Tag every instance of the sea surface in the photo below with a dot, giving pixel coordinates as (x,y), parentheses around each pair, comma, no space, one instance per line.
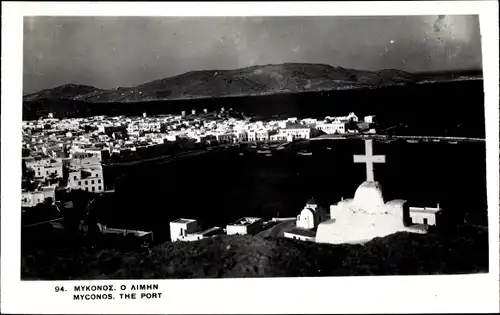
(219,187)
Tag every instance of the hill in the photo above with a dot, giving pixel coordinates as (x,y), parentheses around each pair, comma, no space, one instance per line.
(67,91)
(256,80)
(461,251)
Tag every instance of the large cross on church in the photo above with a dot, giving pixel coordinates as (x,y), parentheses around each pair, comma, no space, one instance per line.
(369,159)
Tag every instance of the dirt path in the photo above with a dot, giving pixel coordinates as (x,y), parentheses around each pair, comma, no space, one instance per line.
(277,230)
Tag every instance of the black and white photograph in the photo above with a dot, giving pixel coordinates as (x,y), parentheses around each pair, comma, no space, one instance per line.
(209,147)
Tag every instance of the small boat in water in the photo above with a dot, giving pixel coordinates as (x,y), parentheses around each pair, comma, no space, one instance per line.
(412,141)
(269,154)
(328,148)
(304,153)
(264,151)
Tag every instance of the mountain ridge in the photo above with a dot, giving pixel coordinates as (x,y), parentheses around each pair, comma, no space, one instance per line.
(248,81)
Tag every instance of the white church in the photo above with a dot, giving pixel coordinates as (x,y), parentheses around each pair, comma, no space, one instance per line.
(364,217)
(307,222)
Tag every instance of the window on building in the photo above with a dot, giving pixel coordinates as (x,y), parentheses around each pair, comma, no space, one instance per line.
(99,181)
(93,188)
(79,183)
(74,177)
(99,188)
(86,182)
(92,181)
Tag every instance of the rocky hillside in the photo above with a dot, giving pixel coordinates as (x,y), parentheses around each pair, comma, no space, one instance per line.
(462,251)
(68,91)
(256,80)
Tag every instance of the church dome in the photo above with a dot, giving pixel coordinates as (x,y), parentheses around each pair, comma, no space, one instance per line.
(307,210)
(369,198)
(311,201)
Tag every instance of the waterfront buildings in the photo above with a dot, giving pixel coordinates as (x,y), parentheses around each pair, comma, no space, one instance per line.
(83,145)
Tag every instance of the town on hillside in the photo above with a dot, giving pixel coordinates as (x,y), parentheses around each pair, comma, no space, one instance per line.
(65,156)
(62,157)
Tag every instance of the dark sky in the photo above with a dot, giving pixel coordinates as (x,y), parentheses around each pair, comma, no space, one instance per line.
(108,52)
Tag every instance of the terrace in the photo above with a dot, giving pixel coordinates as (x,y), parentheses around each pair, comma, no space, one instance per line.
(212,231)
(425,209)
(303,232)
(245,221)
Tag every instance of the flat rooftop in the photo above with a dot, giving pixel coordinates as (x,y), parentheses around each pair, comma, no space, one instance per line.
(183,221)
(424,210)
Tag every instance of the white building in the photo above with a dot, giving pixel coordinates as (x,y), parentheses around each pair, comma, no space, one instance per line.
(311,216)
(298,131)
(225,137)
(157,140)
(84,160)
(100,154)
(362,218)
(281,136)
(262,135)
(32,198)
(367,215)
(242,136)
(44,167)
(332,127)
(180,228)
(307,222)
(425,215)
(251,136)
(370,119)
(309,121)
(243,226)
(144,126)
(349,118)
(67,125)
(282,124)
(87,178)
